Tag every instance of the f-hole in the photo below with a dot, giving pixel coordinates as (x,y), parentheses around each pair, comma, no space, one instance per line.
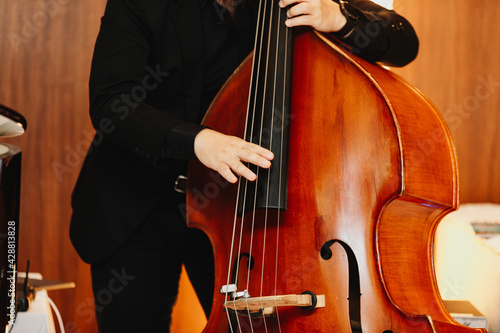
(234,280)
(354,288)
(237,264)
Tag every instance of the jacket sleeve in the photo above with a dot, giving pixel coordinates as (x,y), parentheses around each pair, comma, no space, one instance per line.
(121,79)
(378,34)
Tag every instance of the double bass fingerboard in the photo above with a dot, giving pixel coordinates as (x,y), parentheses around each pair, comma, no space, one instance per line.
(268,116)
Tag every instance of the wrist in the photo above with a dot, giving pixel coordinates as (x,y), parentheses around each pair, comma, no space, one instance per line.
(340,23)
(350,20)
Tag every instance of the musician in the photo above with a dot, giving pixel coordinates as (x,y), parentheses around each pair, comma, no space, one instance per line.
(156,67)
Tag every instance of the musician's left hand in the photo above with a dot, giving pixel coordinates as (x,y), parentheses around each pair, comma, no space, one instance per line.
(322,15)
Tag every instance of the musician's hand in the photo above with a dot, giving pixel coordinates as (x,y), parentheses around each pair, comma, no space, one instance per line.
(322,15)
(225,154)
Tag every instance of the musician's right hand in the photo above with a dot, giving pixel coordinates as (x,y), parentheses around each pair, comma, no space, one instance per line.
(226,154)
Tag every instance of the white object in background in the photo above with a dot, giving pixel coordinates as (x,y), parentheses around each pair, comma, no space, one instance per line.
(384,3)
(467,266)
(38,318)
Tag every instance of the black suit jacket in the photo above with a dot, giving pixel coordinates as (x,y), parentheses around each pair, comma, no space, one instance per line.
(145,103)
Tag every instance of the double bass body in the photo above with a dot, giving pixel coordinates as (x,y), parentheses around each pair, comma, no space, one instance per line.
(371,171)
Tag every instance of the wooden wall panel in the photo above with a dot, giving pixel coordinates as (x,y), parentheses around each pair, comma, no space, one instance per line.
(45,53)
(458,69)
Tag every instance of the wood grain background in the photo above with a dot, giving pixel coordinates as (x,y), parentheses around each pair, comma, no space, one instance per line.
(458,69)
(46,48)
(45,53)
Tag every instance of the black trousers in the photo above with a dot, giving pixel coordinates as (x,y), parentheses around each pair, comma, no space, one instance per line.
(135,288)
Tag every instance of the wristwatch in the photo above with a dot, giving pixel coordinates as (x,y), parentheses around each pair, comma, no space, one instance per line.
(352,20)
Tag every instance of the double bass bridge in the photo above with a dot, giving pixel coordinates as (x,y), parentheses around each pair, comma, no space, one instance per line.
(243,303)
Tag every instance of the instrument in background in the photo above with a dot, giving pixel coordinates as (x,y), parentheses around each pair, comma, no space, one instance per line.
(338,235)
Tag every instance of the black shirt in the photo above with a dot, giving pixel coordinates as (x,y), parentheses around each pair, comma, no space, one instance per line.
(227,42)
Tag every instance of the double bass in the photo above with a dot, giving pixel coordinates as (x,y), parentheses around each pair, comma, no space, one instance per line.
(337,236)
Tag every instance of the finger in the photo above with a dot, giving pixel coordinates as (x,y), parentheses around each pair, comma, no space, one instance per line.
(299,9)
(241,170)
(286,3)
(303,20)
(228,174)
(261,151)
(256,155)
(250,157)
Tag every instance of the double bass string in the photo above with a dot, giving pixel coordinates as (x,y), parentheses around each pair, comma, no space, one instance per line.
(281,26)
(262,78)
(253,82)
(268,175)
(235,220)
(271,138)
(265,78)
(278,83)
(228,313)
